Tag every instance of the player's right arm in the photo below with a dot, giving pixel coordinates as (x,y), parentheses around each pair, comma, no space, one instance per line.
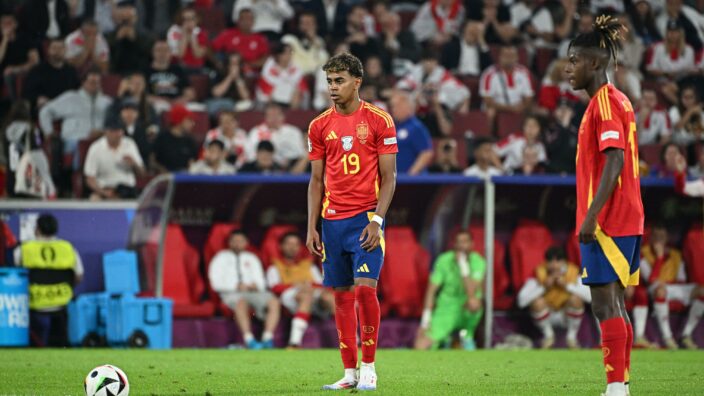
(315,195)
(316,154)
(611,138)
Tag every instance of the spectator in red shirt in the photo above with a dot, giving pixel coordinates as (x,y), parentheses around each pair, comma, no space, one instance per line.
(188,42)
(253,47)
(555,88)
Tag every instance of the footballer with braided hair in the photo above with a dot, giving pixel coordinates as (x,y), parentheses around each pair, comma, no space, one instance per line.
(609,207)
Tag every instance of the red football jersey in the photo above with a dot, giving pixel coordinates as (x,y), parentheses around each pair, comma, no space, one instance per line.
(350,145)
(609,121)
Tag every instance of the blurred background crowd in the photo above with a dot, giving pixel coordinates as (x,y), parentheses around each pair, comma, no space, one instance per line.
(100,96)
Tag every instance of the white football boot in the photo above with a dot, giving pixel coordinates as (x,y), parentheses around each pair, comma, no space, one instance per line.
(367,377)
(349,381)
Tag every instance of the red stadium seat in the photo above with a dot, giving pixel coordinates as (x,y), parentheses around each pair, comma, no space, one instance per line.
(111,84)
(301,118)
(475,121)
(650,153)
(202,126)
(250,119)
(213,18)
(543,59)
(270,244)
(217,239)
(693,252)
(572,249)
(472,83)
(508,123)
(182,279)
(527,247)
(201,84)
(404,275)
(502,300)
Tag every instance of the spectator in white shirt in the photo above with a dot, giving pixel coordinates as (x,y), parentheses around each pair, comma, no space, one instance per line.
(687,117)
(290,152)
(281,81)
(486,161)
(237,276)
(512,149)
(270,15)
(308,49)
(438,21)
(87,48)
(506,86)
(671,60)
(112,164)
(437,93)
(234,138)
(468,54)
(82,112)
(213,162)
(652,122)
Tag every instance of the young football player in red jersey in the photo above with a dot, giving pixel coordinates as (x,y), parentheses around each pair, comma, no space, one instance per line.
(609,207)
(352,148)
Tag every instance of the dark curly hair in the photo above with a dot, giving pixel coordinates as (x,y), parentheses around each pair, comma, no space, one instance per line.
(344,62)
(606,36)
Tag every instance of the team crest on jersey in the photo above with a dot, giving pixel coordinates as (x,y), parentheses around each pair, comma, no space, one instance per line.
(347,143)
(362,133)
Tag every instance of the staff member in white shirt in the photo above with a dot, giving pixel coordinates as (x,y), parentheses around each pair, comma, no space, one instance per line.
(113,164)
(237,276)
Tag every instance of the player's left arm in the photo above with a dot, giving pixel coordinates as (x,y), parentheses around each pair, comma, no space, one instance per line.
(371,236)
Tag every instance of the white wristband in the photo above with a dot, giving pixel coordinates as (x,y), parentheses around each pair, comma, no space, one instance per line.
(378,219)
(425,319)
(464,266)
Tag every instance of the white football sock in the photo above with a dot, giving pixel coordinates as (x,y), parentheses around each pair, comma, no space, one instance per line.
(695,313)
(542,320)
(615,389)
(350,374)
(574,320)
(248,337)
(662,313)
(298,328)
(267,335)
(640,319)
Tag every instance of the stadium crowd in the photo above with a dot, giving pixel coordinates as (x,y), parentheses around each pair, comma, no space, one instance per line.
(99,96)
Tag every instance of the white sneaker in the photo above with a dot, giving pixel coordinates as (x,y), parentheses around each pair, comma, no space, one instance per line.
(345,383)
(616,389)
(367,377)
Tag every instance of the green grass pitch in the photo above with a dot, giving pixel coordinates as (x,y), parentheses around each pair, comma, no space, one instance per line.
(401,372)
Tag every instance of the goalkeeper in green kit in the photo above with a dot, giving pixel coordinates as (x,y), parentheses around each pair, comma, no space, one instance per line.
(453,301)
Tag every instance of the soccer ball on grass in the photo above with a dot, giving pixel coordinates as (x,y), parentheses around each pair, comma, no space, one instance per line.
(106,380)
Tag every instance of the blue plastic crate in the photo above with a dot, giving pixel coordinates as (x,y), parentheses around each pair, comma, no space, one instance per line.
(120,272)
(139,322)
(87,318)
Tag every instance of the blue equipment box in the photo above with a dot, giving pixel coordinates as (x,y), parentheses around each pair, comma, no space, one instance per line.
(139,322)
(120,272)
(87,318)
